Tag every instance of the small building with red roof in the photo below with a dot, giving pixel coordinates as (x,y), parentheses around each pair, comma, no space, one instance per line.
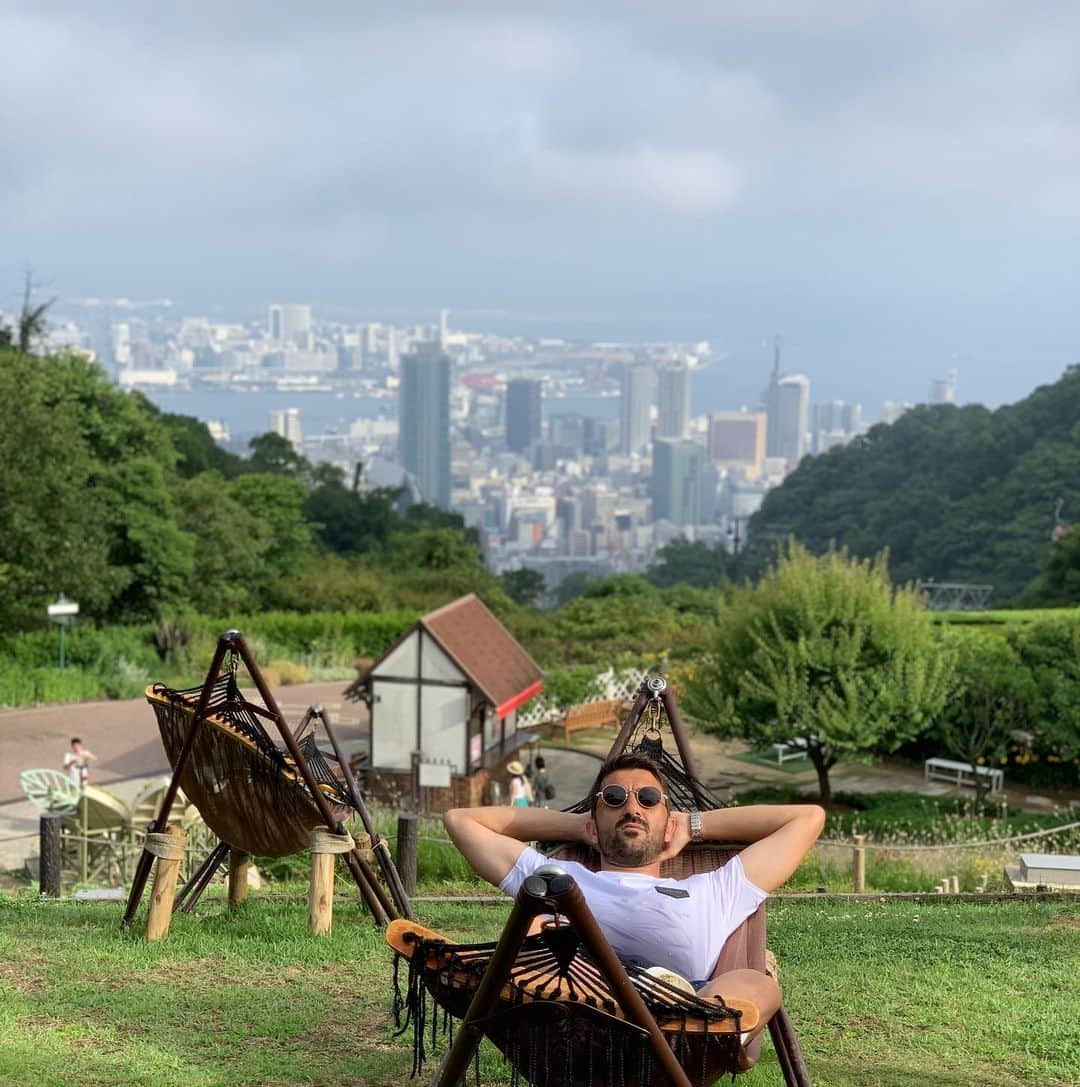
(443,703)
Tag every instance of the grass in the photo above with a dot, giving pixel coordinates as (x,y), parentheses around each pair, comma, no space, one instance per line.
(890,994)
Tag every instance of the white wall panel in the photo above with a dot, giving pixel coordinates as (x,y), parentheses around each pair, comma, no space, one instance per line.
(402,661)
(443,719)
(437,665)
(393,725)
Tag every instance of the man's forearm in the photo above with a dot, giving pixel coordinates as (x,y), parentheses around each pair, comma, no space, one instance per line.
(753,822)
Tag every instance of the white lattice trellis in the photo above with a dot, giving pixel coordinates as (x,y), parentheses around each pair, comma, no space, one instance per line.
(604,685)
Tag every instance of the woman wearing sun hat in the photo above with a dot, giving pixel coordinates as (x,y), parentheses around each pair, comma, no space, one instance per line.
(521,794)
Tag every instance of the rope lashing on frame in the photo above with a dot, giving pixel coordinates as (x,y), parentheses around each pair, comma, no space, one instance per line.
(326,841)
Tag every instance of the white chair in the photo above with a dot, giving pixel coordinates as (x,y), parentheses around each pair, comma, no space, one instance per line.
(50,790)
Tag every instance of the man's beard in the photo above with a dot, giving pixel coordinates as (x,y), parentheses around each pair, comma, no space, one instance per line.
(631,852)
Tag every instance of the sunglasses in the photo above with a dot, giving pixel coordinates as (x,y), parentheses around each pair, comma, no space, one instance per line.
(615,796)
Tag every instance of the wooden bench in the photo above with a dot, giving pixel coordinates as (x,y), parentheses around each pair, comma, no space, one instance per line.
(962,773)
(602,714)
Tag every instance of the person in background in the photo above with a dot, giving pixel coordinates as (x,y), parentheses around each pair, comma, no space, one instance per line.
(521,791)
(77,763)
(543,790)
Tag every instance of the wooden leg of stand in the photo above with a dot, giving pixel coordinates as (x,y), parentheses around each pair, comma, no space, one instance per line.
(168,847)
(321,895)
(238,877)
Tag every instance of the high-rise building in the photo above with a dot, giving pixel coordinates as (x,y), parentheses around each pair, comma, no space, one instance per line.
(676,481)
(788,420)
(673,399)
(287,424)
(634,407)
(737,440)
(424,421)
(444,327)
(523,412)
(943,389)
(290,326)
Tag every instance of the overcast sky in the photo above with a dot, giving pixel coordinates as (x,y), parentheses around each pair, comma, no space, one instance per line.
(893,187)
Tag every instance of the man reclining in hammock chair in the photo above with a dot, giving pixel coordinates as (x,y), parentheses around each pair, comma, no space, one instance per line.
(677,925)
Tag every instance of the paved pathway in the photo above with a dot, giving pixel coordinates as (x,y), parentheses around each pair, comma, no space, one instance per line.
(125,738)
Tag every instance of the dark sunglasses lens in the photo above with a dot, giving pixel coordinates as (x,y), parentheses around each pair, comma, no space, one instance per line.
(649,797)
(614,796)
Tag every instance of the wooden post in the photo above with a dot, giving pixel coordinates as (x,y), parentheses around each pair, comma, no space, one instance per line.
(954,885)
(407,838)
(84,831)
(49,854)
(238,877)
(168,846)
(859,864)
(324,846)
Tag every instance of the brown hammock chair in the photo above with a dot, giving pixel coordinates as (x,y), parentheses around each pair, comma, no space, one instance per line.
(560,1006)
(257,797)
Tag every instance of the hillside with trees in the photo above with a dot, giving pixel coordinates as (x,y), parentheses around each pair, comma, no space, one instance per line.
(953,493)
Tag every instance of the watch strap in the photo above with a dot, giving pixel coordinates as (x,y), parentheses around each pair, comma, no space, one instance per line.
(695,826)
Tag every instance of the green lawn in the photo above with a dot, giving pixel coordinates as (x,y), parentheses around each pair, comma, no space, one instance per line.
(881,994)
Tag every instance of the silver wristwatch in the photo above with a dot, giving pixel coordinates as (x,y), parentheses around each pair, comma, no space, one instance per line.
(695,826)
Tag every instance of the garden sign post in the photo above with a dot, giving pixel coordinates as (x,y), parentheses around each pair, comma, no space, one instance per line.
(62,613)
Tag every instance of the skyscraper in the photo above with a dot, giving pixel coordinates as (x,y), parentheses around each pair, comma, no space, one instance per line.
(737,440)
(792,418)
(286,423)
(676,481)
(522,413)
(290,326)
(424,421)
(943,389)
(674,400)
(634,407)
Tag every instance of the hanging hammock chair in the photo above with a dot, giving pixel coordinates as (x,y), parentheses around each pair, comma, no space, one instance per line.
(258,797)
(560,1006)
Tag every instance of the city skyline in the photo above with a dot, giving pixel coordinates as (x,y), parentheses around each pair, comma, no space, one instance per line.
(893,190)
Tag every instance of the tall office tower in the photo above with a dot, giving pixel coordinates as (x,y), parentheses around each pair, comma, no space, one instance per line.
(290,326)
(792,404)
(444,326)
(674,400)
(600,435)
(424,421)
(676,481)
(287,424)
(771,398)
(851,418)
(392,353)
(634,407)
(569,431)
(522,413)
(943,389)
(737,440)
(827,415)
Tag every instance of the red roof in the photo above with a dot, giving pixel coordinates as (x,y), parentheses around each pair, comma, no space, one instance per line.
(483,649)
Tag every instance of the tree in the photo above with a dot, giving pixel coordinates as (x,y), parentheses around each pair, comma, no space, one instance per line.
(573,585)
(51,536)
(276,501)
(990,697)
(684,563)
(823,651)
(274,455)
(523,586)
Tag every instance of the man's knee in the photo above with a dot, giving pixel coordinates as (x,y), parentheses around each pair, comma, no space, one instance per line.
(753,985)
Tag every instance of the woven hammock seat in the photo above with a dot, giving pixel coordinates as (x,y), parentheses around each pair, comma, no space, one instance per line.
(559,1005)
(559,1022)
(246,788)
(258,797)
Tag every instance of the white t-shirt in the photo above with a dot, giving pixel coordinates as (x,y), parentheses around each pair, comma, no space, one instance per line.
(685,934)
